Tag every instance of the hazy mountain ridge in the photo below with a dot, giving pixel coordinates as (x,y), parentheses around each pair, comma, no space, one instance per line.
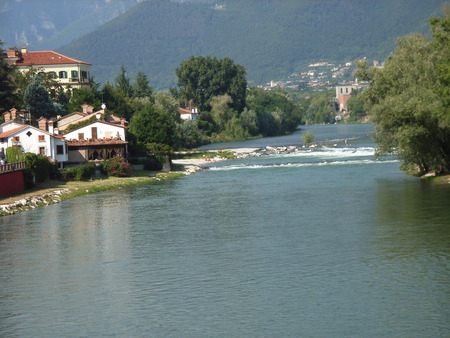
(49,24)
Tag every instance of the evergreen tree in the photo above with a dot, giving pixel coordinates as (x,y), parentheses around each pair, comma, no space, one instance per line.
(37,100)
(141,87)
(123,82)
(7,88)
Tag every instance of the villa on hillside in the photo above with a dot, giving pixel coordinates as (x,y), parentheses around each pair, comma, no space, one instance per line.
(66,70)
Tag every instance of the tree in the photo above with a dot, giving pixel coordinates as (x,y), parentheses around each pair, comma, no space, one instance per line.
(408,103)
(123,82)
(80,96)
(151,126)
(23,79)
(355,105)
(201,78)
(7,87)
(221,109)
(141,87)
(37,100)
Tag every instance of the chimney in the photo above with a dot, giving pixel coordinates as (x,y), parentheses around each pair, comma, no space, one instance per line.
(87,109)
(7,116)
(23,50)
(51,130)
(42,123)
(13,114)
(122,122)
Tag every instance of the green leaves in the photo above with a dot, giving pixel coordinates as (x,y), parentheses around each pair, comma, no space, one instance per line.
(406,100)
(201,78)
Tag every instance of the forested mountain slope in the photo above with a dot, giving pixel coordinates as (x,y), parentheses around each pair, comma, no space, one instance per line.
(270,38)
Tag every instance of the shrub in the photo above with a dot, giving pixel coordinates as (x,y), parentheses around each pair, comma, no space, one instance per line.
(81,173)
(13,154)
(37,168)
(117,166)
(308,137)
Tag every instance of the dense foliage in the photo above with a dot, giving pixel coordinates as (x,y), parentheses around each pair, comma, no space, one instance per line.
(117,167)
(201,78)
(7,95)
(408,100)
(80,173)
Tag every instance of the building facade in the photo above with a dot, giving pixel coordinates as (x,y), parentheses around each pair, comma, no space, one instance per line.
(65,70)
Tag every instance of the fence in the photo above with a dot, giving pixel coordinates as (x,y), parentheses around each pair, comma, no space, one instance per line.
(6,168)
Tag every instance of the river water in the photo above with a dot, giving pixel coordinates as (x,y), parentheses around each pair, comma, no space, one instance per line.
(328,242)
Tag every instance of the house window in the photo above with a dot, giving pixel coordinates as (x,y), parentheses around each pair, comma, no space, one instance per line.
(42,151)
(94,132)
(59,149)
(63,74)
(74,76)
(107,134)
(84,76)
(346,90)
(41,138)
(52,75)
(341,90)
(16,139)
(81,136)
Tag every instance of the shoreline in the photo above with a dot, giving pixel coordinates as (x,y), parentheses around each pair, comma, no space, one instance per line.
(53,192)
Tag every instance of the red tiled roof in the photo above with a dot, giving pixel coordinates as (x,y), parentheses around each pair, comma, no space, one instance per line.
(15,130)
(185,111)
(12,131)
(71,114)
(46,58)
(92,142)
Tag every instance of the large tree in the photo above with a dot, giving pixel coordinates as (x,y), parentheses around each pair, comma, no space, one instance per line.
(201,78)
(7,88)
(37,100)
(152,126)
(408,100)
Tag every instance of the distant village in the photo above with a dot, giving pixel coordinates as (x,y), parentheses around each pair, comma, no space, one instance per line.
(319,76)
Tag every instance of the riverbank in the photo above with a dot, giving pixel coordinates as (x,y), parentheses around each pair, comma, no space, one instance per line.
(51,192)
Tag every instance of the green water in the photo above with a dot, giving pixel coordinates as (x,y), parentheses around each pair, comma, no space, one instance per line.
(320,243)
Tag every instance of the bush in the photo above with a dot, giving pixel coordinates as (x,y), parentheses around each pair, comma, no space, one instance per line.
(13,154)
(117,166)
(37,168)
(308,137)
(81,173)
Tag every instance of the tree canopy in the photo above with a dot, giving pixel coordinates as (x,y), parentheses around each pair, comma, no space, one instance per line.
(408,99)
(37,100)
(201,78)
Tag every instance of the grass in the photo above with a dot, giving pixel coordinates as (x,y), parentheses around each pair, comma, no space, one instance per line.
(203,154)
(80,188)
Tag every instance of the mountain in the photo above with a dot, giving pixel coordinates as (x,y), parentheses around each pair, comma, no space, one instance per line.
(49,24)
(270,38)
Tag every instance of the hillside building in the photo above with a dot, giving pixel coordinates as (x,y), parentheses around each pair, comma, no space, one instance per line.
(65,70)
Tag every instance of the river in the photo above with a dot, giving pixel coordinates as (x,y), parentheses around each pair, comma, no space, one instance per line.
(326,242)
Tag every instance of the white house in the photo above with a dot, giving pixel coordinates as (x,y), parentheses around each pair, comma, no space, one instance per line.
(34,140)
(97,130)
(99,140)
(188,114)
